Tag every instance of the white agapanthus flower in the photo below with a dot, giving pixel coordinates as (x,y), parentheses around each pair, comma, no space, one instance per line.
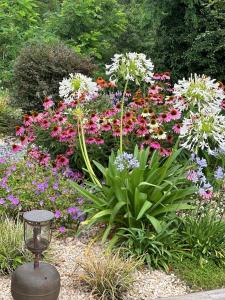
(200,92)
(131,66)
(77,85)
(201,131)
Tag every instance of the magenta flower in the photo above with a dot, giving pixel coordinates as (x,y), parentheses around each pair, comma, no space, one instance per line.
(62,229)
(48,103)
(13,200)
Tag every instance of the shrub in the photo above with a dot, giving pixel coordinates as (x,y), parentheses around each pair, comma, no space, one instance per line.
(12,252)
(108,276)
(38,70)
(138,194)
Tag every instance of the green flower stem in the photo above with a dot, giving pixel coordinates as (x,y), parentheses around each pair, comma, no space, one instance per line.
(121,116)
(85,155)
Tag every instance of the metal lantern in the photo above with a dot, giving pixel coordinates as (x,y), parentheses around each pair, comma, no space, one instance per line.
(38,280)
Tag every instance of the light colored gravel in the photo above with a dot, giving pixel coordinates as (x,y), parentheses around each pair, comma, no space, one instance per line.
(148,285)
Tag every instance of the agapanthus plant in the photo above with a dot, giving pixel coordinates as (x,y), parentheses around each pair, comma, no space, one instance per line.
(199,93)
(129,66)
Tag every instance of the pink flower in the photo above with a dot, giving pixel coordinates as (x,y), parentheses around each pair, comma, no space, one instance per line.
(20,130)
(69,151)
(155,145)
(48,103)
(56,131)
(16,148)
(206,194)
(45,124)
(28,120)
(106,127)
(23,140)
(162,118)
(44,159)
(116,132)
(90,140)
(61,161)
(176,128)
(94,117)
(142,131)
(174,114)
(99,141)
(154,90)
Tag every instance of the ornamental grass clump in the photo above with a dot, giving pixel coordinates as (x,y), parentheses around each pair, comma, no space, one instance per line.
(12,251)
(108,276)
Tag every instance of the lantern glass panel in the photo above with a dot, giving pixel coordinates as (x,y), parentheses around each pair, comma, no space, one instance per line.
(37,236)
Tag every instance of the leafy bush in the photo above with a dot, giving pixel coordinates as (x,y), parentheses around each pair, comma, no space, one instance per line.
(138,194)
(108,276)
(204,237)
(207,277)
(12,252)
(91,27)
(25,185)
(9,116)
(38,70)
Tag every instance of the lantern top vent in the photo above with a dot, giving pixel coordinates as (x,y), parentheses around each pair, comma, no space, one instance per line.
(38,216)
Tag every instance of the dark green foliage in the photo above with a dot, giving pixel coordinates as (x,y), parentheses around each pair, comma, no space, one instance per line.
(190,38)
(38,70)
(206,277)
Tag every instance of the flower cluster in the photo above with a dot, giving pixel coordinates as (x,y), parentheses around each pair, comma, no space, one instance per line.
(149,119)
(26,185)
(204,125)
(126,161)
(131,66)
(200,92)
(77,87)
(197,175)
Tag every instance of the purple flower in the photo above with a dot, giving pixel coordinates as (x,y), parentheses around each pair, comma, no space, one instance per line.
(52,199)
(2,201)
(55,186)
(80,201)
(41,187)
(62,229)
(201,162)
(13,200)
(57,214)
(72,210)
(2,160)
(219,173)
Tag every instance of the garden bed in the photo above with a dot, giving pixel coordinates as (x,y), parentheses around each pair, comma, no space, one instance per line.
(66,252)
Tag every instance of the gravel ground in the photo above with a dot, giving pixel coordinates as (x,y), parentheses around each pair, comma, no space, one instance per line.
(148,285)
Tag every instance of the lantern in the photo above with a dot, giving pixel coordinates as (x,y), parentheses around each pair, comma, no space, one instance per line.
(36,280)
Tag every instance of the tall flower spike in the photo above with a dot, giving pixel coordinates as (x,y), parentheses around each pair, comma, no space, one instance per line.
(131,66)
(199,92)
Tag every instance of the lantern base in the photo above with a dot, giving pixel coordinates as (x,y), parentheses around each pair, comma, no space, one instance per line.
(42,283)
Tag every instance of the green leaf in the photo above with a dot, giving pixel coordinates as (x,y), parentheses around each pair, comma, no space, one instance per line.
(155,223)
(172,208)
(144,208)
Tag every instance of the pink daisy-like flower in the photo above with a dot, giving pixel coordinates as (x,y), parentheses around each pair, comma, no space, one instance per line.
(20,130)
(155,145)
(116,132)
(106,127)
(56,131)
(99,141)
(90,140)
(16,148)
(45,124)
(61,161)
(48,103)
(174,114)
(44,159)
(142,131)
(176,128)
(28,120)
(23,140)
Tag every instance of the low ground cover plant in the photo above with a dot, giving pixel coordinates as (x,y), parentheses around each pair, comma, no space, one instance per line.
(25,185)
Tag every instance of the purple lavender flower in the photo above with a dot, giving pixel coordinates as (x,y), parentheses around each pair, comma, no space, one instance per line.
(219,174)
(71,210)
(13,200)
(201,162)
(57,214)
(62,229)
(80,201)
(52,199)
(2,201)
(55,186)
